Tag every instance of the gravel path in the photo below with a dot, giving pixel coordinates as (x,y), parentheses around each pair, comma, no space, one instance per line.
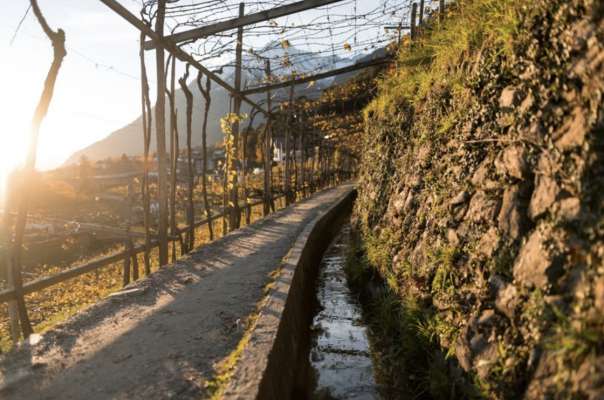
(162,337)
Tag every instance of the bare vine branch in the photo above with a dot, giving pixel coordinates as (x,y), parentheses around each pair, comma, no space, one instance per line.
(58,43)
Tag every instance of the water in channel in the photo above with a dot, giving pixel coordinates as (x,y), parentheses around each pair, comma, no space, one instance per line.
(340,350)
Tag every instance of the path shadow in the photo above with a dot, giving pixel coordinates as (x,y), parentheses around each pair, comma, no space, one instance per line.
(164,339)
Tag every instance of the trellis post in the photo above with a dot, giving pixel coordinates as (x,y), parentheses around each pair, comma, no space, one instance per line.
(204,148)
(160,130)
(294,160)
(235,215)
(146,118)
(268,160)
(58,42)
(287,176)
(13,313)
(413,20)
(302,154)
(174,150)
(311,177)
(245,162)
(190,236)
(441,10)
(421,12)
(134,257)
(126,267)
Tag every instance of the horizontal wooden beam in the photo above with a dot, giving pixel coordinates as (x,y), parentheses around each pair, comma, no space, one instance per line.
(101,262)
(316,77)
(174,50)
(250,19)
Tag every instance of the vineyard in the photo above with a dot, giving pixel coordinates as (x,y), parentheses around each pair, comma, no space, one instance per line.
(319,199)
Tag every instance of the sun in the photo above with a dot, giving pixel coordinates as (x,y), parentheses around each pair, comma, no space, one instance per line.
(13,146)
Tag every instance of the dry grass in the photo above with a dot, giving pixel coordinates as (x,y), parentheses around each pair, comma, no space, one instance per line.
(441,55)
(55,304)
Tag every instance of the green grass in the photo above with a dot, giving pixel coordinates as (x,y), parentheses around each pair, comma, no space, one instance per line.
(410,361)
(444,277)
(443,55)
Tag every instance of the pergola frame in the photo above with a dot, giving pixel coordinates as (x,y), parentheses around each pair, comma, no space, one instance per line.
(16,290)
(176,51)
(240,22)
(169,44)
(319,76)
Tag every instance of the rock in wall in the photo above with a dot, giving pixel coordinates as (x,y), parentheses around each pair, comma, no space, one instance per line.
(495,221)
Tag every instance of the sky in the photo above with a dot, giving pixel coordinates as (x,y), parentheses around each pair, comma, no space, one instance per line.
(98,88)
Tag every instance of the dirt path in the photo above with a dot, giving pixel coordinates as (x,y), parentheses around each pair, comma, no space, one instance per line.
(162,337)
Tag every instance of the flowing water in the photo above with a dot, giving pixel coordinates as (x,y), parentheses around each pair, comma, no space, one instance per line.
(340,353)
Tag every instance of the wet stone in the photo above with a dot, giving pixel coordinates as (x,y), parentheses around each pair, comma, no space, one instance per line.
(340,353)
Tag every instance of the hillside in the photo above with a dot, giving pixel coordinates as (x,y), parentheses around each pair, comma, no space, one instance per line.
(481,205)
(128,139)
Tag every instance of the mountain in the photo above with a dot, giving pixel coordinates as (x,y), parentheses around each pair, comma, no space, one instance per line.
(128,140)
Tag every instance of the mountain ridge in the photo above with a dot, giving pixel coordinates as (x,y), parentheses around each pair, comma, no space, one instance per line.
(128,139)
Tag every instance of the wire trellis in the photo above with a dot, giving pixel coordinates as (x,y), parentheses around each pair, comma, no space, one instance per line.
(312,41)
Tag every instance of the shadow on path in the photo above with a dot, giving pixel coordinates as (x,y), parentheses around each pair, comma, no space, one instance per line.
(162,337)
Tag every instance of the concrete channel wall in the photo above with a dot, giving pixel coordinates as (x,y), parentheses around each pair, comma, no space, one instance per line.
(273,363)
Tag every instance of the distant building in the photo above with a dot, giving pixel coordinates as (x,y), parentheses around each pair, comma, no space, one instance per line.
(278,149)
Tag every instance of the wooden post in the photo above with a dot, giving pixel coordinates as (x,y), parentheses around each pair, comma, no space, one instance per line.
(318,164)
(302,153)
(226,210)
(421,13)
(330,164)
(190,237)
(334,166)
(441,10)
(324,156)
(130,248)
(160,129)
(126,271)
(135,267)
(235,216)
(13,312)
(204,147)
(245,160)
(323,164)
(58,43)
(287,175)
(294,163)
(174,152)
(183,246)
(327,165)
(311,165)
(146,117)
(173,49)
(413,21)
(268,159)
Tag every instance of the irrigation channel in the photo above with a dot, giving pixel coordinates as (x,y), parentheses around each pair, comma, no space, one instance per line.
(340,350)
